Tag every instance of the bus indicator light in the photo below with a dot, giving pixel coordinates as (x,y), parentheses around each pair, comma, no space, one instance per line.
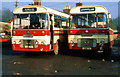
(86,31)
(28,31)
(41,49)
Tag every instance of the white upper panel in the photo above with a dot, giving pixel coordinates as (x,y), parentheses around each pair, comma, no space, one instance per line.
(84,10)
(40,9)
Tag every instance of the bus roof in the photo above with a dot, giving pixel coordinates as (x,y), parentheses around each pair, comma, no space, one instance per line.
(33,9)
(88,9)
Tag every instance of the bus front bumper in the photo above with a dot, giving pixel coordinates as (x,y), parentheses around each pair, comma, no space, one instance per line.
(44,48)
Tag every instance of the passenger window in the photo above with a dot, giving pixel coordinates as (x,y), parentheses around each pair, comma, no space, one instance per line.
(64,22)
(57,22)
(61,22)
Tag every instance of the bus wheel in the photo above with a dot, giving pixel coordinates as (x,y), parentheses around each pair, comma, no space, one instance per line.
(56,51)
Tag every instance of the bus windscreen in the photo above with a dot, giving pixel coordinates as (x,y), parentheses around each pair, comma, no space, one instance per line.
(89,20)
(30,21)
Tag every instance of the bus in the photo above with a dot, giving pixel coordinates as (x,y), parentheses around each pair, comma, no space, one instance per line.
(90,29)
(38,28)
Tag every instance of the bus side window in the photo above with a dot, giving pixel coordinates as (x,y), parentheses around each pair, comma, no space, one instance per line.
(57,21)
(64,22)
(74,25)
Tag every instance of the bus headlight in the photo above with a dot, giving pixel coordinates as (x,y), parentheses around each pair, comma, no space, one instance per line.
(101,42)
(72,43)
(14,42)
(20,42)
(36,42)
(78,43)
(101,48)
(94,42)
(42,43)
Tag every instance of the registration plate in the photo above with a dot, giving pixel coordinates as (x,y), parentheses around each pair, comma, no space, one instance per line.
(28,46)
(86,48)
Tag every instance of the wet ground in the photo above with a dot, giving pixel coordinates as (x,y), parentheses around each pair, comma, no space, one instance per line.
(71,63)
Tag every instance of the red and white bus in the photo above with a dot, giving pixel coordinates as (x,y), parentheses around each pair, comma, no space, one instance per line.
(38,28)
(90,29)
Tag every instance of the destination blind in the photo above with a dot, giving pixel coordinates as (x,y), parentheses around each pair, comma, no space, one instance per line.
(29,9)
(87,9)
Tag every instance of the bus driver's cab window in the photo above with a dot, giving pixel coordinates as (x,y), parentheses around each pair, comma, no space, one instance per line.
(38,21)
(34,19)
(30,21)
(43,20)
(98,20)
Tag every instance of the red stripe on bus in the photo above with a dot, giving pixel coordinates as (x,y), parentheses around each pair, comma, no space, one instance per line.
(33,32)
(58,32)
(73,32)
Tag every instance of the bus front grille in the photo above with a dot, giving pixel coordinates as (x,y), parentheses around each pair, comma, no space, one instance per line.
(88,42)
(28,44)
